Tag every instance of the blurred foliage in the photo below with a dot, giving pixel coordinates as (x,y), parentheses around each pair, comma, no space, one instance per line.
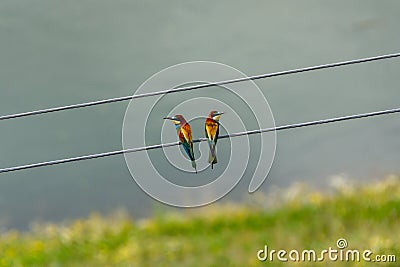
(367,216)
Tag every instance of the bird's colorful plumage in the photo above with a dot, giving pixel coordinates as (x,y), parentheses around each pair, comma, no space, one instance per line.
(185,136)
(212,133)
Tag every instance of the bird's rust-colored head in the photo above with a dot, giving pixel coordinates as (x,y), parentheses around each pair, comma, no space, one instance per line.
(215,115)
(177,119)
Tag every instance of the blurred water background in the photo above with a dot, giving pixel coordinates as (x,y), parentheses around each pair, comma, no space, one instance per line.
(55,53)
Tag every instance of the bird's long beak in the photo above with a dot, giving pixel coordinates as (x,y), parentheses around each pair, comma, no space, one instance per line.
(220,113)
(167,118)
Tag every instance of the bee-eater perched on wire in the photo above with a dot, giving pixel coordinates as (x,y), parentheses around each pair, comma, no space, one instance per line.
(185,136)
(212,132)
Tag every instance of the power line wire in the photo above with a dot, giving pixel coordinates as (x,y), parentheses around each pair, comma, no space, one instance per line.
(188,88)
(131,150)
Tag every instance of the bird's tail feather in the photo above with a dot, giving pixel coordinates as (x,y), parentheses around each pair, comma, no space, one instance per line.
(194,165)
(212,158)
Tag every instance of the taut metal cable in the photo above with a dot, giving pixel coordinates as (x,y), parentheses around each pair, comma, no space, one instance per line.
(131,150)
(188,88)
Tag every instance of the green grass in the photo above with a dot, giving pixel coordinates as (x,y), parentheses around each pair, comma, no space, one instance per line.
(367,216)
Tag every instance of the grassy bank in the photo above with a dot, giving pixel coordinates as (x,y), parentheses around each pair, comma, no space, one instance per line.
(368,217)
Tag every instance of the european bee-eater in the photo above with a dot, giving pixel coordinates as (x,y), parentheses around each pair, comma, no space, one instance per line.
(212,132)
(185,136)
